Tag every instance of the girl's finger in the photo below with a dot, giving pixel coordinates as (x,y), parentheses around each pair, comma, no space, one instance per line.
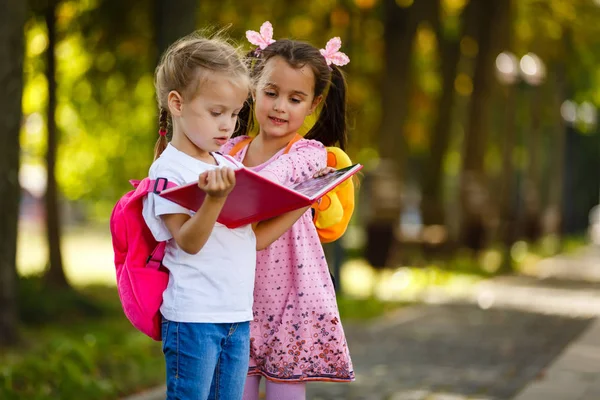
(212,179)
(218,179)
(231,176)
(203,179)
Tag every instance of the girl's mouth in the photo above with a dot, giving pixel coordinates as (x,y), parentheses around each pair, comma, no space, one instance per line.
(277,121)
(221,140)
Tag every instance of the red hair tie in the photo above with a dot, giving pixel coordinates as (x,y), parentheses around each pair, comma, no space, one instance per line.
(162,132)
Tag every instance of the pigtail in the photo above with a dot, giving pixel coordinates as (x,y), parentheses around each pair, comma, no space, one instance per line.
(246,116)
(330,128)
(245,119)
(163,125)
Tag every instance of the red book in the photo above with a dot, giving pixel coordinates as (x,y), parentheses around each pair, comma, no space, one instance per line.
(255,198)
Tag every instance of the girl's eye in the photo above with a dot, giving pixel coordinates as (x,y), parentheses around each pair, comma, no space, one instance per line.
(294,100)
(215,113)
(271,94)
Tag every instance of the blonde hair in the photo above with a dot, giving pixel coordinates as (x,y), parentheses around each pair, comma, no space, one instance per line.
(184,66)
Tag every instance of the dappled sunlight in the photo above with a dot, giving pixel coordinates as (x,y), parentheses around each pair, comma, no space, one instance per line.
(404,283)
(357,278)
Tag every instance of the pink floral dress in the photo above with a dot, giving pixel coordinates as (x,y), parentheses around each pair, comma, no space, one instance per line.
(296,334)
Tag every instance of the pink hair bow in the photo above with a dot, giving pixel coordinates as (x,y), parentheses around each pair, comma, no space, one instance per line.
(332,53)
(262,39)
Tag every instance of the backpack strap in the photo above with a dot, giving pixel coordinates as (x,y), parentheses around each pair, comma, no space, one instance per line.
(243,143)
(239,145)
(145,186)
(291,143)
(152,185)
(154,260)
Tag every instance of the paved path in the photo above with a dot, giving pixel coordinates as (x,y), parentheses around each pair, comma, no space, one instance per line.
(453,351)
(573,375)
(509,338)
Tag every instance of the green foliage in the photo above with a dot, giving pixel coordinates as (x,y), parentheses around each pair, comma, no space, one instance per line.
(63,305)
(573,244)
(80,356)
(106,113)
(106,55)
(354,309)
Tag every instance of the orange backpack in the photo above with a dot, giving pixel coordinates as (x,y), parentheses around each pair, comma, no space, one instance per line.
(333,212)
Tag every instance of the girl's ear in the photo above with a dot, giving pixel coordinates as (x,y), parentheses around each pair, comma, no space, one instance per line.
(175,103)
(315,104)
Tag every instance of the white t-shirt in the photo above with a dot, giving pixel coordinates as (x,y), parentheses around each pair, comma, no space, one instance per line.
(216,284)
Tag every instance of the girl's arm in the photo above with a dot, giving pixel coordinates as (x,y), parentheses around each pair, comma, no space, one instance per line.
(192,233)
(270,230)
(306,157)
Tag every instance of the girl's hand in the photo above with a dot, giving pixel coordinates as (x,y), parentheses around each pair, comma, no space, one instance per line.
(218,182)
(324,171)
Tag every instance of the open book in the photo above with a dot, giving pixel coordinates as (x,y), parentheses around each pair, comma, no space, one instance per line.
(255,198)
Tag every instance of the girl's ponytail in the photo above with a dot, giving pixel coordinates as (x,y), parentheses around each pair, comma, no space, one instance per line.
(246,115)
(162,142)
(245,119)
(330,128)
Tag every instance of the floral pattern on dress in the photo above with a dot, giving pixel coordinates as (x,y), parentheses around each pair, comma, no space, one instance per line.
(296,334)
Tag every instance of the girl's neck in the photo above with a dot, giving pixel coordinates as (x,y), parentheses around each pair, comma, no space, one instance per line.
(264,147)
(181,142)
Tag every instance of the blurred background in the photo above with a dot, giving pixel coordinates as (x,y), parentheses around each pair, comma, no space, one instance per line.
(476,121)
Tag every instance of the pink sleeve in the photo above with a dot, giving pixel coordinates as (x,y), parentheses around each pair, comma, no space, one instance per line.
(226,148)
(305,158)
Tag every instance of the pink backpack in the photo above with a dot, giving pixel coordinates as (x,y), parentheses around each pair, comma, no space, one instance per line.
(141,277)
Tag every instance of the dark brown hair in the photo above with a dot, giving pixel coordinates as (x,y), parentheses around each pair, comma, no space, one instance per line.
(183,67)
(330,128)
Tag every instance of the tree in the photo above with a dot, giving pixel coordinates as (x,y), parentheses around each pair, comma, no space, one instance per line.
(55,275)
(174,20)
(400,28)
(12,22)
(473,190)
(449,51)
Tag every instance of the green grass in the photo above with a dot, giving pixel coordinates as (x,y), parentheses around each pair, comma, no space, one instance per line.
(80,347)
(573,244)
(355,309)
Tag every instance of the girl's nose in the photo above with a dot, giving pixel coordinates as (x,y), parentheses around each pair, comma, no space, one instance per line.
(278,106)
(228,125)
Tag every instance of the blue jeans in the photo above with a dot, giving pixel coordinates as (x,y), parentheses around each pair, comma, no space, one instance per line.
(206,360)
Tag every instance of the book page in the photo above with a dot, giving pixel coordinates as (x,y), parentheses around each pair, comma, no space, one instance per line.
(317,187)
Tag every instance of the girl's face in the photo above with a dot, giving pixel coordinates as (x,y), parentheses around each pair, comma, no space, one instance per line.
(203,123)
(284,98)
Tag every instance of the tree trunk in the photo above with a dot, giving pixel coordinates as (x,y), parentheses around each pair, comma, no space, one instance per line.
(507,201)
(532,228)
(400,28)
(508,185)
(557,184)
(12,22)
(173,21)
(473,186)
(432,206)
(55,274)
